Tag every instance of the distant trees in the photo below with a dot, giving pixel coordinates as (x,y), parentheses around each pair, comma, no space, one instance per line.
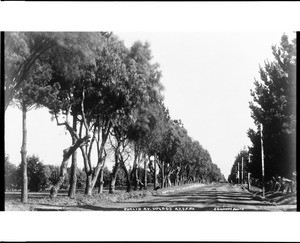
(40,176)
(235,175)
(11,177)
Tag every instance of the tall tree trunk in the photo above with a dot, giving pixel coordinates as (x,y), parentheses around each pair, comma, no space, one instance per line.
(88,186)
(63,168)
(73,179)
(145,174)
(136,178)
(128,183)
(88,171)
(177,178)
(101,182)
(113,177)
(24,191)
(181,179)
(169,179)
(155,173)
(135,170)
(162,174)
(101,157)
(127,175)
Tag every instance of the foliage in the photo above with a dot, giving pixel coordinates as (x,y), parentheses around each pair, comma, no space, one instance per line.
(10,174)
(106,177)
(27,50)
(242,155)
(36,177)
(81,179)
(40,176)
(114,92)
(274,106)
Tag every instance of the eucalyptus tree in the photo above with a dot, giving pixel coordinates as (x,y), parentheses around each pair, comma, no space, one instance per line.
(146,90)
(206,165)
(111,87)
(191,154)
(155,139)
(26,99)
(122,153)
(174,149)
(25,75)
(236,167)
(71,67)
(138,134)
(22,52)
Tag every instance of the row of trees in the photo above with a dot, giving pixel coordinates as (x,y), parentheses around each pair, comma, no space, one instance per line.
(109,99)
(239,171)
(274,106)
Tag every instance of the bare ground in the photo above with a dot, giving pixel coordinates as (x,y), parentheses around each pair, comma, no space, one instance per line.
(190,197)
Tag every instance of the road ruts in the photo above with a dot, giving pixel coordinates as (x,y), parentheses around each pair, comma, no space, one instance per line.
(212,197)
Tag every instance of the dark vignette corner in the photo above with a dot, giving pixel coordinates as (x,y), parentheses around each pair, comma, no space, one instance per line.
(2,125)
(297,128)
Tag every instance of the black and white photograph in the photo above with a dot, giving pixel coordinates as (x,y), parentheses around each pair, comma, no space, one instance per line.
(150,121)
(127,121)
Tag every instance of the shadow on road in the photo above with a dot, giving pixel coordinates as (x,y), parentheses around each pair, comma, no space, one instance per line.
(209,199)
(50,207)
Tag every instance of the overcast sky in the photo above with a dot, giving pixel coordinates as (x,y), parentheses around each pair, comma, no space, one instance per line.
(207,78)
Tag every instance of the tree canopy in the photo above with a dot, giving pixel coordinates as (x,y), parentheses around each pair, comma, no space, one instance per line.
(274,106)
(113,93)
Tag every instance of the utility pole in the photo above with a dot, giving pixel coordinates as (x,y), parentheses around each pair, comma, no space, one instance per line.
(262,159)
(248,178)
(242,175)
(249,174)
(238,173)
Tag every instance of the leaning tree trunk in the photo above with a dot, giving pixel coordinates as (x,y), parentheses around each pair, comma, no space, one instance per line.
(73,179)
(63,168)
(113,178)
(169,183)
(127,175)
(24,191)
(177,177)
(101,182)
(101,175)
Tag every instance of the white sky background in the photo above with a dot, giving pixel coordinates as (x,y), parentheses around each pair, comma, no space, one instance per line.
(207,78)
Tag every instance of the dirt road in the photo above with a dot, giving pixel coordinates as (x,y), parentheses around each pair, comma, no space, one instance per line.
(195,197)
(213,197)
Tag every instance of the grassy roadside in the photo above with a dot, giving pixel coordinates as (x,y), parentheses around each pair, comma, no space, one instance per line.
(42,199)
(274,197)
